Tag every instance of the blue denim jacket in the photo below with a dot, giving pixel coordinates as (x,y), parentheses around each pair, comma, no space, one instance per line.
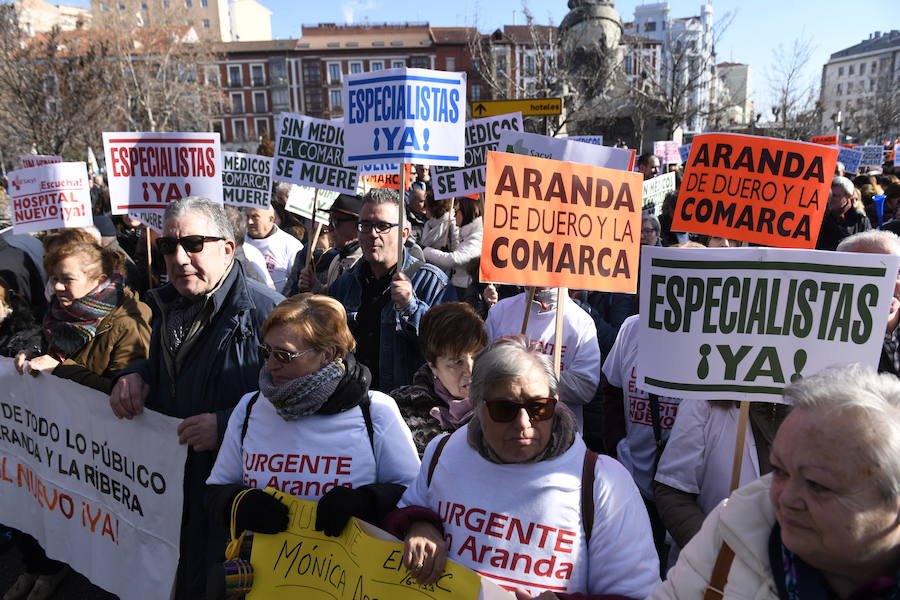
(399,355)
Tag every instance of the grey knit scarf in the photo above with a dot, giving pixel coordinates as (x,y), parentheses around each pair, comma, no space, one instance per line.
(304,395)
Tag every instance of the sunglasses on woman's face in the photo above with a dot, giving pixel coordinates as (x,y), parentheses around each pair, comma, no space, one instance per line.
(504,411)
(190,243)
(282,356)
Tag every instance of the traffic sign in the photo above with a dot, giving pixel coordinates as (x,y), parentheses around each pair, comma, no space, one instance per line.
(530,106)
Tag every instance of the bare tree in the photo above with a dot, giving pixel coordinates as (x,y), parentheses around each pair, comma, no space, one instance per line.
(796,107)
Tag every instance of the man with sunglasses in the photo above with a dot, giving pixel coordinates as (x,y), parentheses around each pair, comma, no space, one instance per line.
(383,302)
(203,358)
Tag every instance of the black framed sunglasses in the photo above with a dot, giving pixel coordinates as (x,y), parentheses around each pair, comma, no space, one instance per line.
(504,411)
(190,243)
(380,226)
(282,356)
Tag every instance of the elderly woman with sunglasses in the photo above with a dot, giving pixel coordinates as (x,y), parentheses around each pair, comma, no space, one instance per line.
(313,429)
(516,496)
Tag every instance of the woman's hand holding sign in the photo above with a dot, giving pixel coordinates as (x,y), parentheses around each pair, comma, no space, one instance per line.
(424,552)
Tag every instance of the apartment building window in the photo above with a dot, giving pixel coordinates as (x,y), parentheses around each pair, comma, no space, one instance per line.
(450,63)
(144,6)
(237,103)
(104,7)
(529,66)
(334,72)
(398,64)
(211,75)
(259,102)
(281,99)
(840,71)
(189,3)
(312,74)
(501,64)
(356,67)
(234,76)
(240,130)
(204,3)
(262,127)
(850,70)
(375,65)
(121,6)
(650,26)
(313,98)
(218,128)
(837,105)
(205,23)
(257,74)
(335,97)
(420,62)
(838,90)
(476,91)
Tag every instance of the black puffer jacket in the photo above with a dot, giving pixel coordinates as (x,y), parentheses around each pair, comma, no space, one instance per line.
(19,332)
(415,403)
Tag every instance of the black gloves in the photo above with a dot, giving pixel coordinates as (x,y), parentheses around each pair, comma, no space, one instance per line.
(261,512)
(369,503)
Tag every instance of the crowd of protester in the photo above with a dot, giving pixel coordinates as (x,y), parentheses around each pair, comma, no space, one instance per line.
(378,343)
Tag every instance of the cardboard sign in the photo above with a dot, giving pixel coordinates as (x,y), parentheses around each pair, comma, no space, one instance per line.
(755,189)
(384,176)
(149,170)
(668,152)
(741,323)
(559,224)
(542,146)
(655,191)
(301,198)
(825,140)
(101,494)
(150,218)
(482,136)
(36,160)
(246,180)
(310,152)
(684,152)
(850,158)
(363,562)
(873,156)
(405,115)
(49,196)
(597,140)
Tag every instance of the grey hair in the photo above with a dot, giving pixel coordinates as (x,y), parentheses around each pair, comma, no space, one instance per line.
(378,196)
(844,183)
(508,358)
(654,222)
(874,241)
(213,212)
(873,396)
(238,221)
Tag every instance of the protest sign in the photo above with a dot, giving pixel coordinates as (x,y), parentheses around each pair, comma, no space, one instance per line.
(655,191)
(246,180)
(49,196)
(363,562)
(872,156)
(542,146)
(755,189)
(405,115)
(149,170)
(597,140)
(684,152)
(385,176)
(825,140)
(301,199)
(310,152)
(36,160)
(559,224)
(482,135)
(850,158)
(668,152)
(98,493)
(151,218)
(897,155)
(740,324)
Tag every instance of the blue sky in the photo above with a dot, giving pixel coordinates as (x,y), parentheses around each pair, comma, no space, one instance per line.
(757,28)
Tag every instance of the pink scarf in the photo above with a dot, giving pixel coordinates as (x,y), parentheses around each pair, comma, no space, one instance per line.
(457,412)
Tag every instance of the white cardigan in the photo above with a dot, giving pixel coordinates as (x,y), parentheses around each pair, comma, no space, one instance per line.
(469,248)
(745,522)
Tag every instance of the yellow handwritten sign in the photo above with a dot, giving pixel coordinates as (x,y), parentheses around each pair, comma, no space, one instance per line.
(304,563)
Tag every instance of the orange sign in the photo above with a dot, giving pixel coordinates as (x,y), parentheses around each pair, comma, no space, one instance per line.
(827,140)
(389,181)
(755,189)
(560,224)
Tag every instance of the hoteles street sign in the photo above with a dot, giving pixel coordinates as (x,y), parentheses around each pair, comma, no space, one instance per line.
(532,106)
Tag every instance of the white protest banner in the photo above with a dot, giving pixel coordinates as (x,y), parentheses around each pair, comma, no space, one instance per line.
(655,191)
(300,202)
(741,323)
(310,152)
(150,170)
(36,160)
(405,115)
(246,180)
(684,152)
(101,494)
(850,158)
(669,152)
(897,155)
(482,135)
(151,218)
(542,146)
(49,196)
(872,156)
(597,140)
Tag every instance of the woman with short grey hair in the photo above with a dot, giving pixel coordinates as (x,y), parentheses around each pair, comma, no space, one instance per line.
(826,522)
(519,498)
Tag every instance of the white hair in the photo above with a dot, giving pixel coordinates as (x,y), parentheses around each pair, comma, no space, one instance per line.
(874,398)
(874,241)
(508,358)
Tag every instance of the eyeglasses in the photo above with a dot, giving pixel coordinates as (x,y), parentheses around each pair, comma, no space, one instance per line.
(504,411)
(282,356)
(648,230)
(190,243)
(380,226)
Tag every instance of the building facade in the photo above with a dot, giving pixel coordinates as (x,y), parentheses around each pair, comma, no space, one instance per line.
(736,81)
(38,16)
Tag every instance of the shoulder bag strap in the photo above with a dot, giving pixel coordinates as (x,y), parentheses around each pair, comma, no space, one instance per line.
(247,417)
(587,493)
(436,455)
(716,588)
